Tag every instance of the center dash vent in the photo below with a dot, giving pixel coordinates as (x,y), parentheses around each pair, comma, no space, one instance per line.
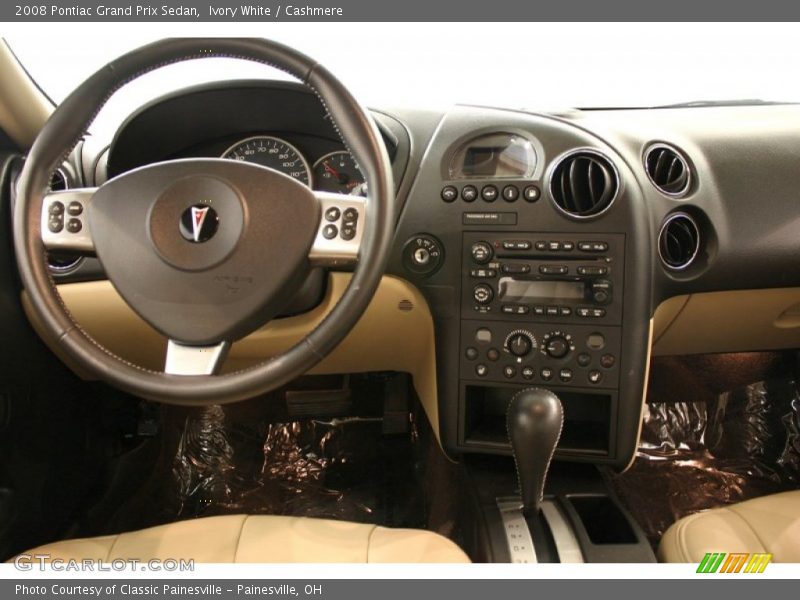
(668,170)
(584,183)
(679,241)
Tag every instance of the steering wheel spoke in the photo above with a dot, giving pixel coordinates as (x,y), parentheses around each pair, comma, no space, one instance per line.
(195,360)
(65,225)
(341,228)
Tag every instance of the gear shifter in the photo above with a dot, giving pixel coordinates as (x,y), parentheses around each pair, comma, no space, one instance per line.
(534,420)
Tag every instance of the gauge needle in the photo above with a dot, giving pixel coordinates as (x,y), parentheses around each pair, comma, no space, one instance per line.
(339,177)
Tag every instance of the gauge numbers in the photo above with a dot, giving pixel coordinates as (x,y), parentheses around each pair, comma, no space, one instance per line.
(272,152)
(338,172)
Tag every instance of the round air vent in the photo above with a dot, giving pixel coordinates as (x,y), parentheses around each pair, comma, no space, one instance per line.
(668,170)
(679,241)
(584,183)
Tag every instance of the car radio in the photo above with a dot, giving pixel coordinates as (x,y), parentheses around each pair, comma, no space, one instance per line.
(542,277)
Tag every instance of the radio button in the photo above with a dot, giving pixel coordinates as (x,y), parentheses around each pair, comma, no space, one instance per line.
(489,193)
(598,313)
(552,311)
(483,273)
(510,193)
(553,269)
(469,193)
(516,269)
(481,252)
(565,375)
(531,193)
(592,246)
(592,270)
(547,374)
(554,246)
(449,193)
(508,309)
(568,246)
(564,311)
(483,293)
(540,246)
(516,245)
(538,311)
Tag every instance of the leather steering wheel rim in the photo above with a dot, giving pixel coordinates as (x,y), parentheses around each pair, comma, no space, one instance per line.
(63,131)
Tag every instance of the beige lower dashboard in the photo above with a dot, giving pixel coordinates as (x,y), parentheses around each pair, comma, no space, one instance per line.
(395,333)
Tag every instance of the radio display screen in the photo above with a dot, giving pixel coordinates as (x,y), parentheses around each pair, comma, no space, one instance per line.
(520,291)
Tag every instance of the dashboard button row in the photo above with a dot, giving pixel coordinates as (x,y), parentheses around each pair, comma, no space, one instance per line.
(349,223)
(490,193)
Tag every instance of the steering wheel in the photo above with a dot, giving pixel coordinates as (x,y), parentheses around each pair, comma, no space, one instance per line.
(204,250)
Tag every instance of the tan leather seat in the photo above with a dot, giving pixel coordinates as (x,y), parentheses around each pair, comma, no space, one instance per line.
(261,538)
(768,524)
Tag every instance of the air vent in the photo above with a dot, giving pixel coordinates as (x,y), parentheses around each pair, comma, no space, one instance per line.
(59,181)
(668,170)
(679,241)
(584,184)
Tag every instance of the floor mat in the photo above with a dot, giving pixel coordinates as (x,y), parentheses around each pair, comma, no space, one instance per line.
(702,448)
(241,458)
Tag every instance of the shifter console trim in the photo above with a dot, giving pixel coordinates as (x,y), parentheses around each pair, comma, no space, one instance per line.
(515,528)
(569,551)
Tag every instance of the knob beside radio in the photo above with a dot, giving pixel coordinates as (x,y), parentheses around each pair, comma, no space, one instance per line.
(483,293)
(481,252)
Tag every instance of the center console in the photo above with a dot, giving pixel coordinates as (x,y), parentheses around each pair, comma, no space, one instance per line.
(544,309)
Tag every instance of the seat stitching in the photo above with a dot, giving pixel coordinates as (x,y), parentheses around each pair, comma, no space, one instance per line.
(733,510)
(239,539)
(369,542)
(111,548)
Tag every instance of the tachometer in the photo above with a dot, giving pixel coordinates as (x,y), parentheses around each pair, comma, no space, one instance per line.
(338,172)
(274,153)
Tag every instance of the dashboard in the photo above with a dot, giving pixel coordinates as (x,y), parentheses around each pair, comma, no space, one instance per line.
(556,249)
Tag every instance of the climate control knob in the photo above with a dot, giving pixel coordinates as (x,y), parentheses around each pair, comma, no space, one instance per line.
(483,293)
(557,344)
(520,343)
(481,252)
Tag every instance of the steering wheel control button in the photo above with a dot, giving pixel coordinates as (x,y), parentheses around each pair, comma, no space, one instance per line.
(469,193)
(489,193)
(199,223)
(330,231)
(422,254)
(332,214)
(350,215)
(449,193)
(471,353)
(56,208)
(55,224)
(481,252)
(74,226)
(481,370)
(348,232)
(531,193)
(74,208)
(510,193)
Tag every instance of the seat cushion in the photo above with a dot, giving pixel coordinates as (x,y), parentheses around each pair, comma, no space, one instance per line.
(263,538)
(767,524)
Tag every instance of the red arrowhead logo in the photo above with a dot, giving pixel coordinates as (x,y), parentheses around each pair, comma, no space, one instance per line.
(198,218)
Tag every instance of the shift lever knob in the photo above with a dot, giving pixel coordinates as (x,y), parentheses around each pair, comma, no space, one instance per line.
(534,420)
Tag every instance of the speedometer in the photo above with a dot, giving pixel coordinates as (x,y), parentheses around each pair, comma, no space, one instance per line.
(272,152)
